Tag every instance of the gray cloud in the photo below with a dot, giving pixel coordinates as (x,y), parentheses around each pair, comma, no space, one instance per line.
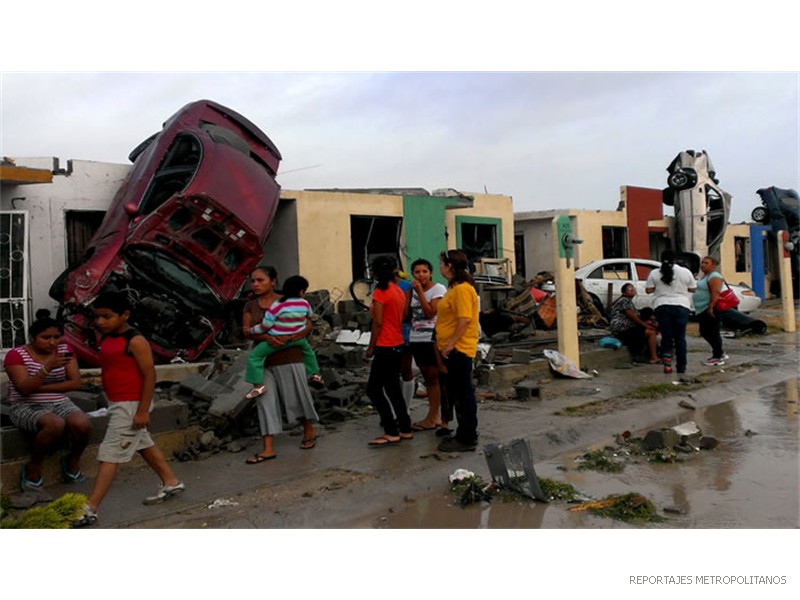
(548,139)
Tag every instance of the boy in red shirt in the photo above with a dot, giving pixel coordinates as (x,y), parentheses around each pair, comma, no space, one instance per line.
(129,378)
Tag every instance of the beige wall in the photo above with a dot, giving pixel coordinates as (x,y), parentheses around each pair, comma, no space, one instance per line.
(323,229)
(323,232)
(589,227)
(486,205)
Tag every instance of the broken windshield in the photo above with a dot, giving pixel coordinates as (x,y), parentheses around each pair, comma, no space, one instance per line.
(162,270)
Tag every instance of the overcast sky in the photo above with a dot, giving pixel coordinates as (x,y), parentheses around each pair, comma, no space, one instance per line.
(548,139)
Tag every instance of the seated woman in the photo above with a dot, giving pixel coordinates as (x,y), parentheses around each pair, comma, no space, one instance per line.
(40,373)
(626,324)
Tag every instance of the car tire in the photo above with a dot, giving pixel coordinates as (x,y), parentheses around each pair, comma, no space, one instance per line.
(668,197)
(760,214)
(682,179)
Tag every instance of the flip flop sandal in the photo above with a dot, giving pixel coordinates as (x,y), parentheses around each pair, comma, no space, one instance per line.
(383,440)
(420,427)
(76,477)
(309,443)
(25,484)
(255,392)
(406,436)
(259,458)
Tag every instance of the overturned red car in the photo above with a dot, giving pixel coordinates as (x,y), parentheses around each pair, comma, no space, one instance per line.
(181,235)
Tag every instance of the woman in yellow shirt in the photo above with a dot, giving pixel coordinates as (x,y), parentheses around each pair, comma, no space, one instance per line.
(457,340)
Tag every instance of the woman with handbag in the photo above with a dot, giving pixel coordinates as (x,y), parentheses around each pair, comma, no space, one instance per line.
(708,307)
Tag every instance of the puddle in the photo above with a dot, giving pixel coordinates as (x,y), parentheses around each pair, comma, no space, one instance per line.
(751,480)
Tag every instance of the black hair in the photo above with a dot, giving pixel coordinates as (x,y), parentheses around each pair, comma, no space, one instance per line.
(269,270)
(383,269)
(646,313)
(421,261)
(667,262)
(293,286)
(458,261)
(43,322)
(116,302)
(626,286)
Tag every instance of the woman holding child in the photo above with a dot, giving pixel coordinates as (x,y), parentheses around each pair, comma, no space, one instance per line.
(284,375)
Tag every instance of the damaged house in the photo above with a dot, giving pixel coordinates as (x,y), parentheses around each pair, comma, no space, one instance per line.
(159,211)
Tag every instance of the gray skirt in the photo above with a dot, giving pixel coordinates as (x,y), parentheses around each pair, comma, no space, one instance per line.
(287,394)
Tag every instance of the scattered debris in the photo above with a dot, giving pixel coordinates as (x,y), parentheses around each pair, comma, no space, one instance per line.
(221,502)
(628,508)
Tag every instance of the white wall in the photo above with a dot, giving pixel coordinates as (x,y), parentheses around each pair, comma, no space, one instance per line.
(82,185)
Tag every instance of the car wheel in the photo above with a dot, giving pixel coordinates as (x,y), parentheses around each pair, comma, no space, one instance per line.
(682,179)
(668,197)
(759,214)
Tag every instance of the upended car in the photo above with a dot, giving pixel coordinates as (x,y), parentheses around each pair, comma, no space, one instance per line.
(181,235)
(701,207)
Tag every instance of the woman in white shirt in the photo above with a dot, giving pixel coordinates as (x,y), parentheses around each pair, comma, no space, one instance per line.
(424,298)
(673,286)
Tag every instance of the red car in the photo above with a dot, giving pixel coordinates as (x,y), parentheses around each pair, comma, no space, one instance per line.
(182,233)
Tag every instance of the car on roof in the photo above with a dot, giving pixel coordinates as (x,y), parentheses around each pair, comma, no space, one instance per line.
(181,235)
(603,281)
(701,207)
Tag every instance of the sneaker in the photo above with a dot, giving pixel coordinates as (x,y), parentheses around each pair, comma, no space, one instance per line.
(453,445)
(89,517)
(714,362)
(165,492)
(667,360)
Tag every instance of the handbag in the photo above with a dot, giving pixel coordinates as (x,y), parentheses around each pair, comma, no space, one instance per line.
(726,299)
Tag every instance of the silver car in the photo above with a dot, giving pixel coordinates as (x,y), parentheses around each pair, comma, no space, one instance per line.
(701,207)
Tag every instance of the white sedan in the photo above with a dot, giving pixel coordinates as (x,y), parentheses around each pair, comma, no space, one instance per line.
(603,280)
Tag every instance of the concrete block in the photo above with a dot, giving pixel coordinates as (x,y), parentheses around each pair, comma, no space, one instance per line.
(660,438)
(231,403)
(202,388)
(354,358)
(520,356)
(331,378)
(688,433)
(342,397)
(527,390)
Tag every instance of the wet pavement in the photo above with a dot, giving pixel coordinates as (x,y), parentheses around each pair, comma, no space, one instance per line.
(344,484)
(750,480)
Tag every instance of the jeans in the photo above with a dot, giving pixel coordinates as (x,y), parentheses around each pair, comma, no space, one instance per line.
(709,330)
(672,320)
(461,393)
(384,375)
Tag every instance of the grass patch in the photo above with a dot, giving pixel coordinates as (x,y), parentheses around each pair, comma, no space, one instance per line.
(59,514)
(581,410)
(659,390)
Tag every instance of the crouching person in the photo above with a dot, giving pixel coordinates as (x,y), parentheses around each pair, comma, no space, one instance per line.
(129,378)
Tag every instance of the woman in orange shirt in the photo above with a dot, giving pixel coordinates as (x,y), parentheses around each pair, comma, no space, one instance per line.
(457,339)
(386,350)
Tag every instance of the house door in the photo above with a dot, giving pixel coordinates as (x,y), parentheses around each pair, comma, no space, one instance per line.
(15,303)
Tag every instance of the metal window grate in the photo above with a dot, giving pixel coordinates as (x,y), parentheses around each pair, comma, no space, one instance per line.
(14,301)
(511,467)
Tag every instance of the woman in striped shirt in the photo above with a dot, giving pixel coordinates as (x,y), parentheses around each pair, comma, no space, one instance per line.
(40,374)
(287,317)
